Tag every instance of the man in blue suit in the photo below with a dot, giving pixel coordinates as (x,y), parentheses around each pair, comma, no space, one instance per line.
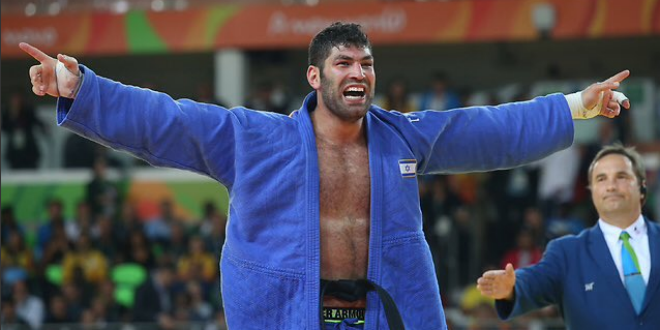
(607,277)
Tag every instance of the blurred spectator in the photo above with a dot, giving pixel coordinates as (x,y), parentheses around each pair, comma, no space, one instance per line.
(205,94)
(159,229)
(557,177)
(104,309)
(80,152)
(175,247)
(53,255)
(97,316)
(20,123)
(167,322)
(280,99)
(57,311)
(269,97)
(28,307)
(471,98)
(197,263)
(182,313)
(73,299)
(525,253)
(106,295)
(509,193)
(9,318)
(534,223)
(624,126)
(464,233)
(200,310)
(471,298)
(16,259)
(521,190)
(564,223)
(55,222)
(102,195)
(154,299)
(214,239)
(127,223)
(212,228)
(94,265)
(440,95)
(82,221)
(88,320)
(8,223)
(438,204)
(105,238)
(218,324)
(56,249)
(477,308)
(397,97)
(128,220)
(606,136)
(206,222)
(138,249)
(465,186)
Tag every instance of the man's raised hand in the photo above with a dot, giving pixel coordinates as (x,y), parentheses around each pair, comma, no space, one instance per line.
(601,99)
(59,77)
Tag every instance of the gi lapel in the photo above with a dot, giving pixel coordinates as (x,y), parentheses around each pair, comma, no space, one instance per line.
(376,227)
(313,237)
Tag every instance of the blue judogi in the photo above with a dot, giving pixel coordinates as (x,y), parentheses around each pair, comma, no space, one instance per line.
(268,162)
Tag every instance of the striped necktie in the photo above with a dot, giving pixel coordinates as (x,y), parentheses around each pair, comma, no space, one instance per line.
(632,274)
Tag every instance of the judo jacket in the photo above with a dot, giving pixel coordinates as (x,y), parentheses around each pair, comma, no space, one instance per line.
(268,162)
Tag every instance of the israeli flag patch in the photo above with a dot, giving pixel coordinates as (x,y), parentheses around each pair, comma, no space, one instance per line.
(408,168)
(412,117)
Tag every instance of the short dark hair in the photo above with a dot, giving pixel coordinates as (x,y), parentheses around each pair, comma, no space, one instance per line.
(628,152)
(8,211)
(335,35)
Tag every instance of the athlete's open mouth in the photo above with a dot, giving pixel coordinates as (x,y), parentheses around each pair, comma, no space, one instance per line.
(354,92)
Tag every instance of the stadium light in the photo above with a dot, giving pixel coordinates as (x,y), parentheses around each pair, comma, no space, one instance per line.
(544,17)
(30,9)
(180,4)
(120,6)
(157,5)
(54,8)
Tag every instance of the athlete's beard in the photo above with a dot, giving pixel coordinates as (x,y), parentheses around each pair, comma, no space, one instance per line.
(332,98)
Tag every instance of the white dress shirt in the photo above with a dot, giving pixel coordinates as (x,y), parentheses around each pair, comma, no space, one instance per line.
(32,310)
(639,240)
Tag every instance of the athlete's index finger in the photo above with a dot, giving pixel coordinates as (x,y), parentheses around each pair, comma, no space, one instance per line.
(619,77)
(34,52)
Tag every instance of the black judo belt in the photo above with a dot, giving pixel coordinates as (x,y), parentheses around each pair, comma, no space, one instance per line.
(354,290)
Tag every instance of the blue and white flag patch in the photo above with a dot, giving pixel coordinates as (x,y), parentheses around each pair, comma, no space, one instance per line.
(412,117)
(408,168)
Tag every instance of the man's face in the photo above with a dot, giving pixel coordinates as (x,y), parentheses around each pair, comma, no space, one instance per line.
(54,210)
(348,81)
(615,188)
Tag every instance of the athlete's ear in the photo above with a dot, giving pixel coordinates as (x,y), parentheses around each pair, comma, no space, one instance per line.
(314,77)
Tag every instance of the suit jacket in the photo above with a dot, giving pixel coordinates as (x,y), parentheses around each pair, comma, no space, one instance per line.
(577,273)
